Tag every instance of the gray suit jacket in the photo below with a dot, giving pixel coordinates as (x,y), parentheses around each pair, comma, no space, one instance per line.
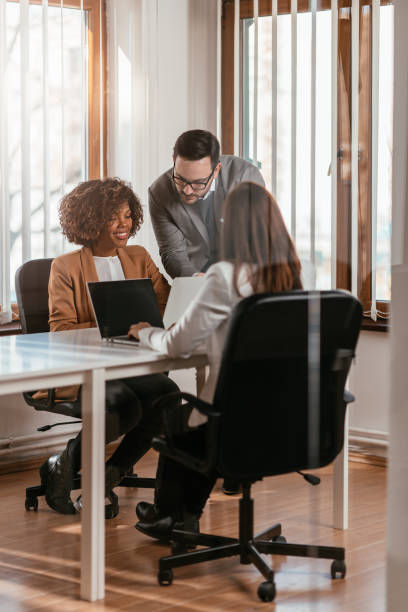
(180,231)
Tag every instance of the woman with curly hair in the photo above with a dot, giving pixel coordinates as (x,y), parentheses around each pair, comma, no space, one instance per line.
(100,216)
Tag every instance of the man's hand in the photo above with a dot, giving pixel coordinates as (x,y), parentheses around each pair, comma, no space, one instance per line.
(135,328)
(199,274)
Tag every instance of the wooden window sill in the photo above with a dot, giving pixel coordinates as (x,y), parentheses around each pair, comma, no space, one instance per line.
(382,325)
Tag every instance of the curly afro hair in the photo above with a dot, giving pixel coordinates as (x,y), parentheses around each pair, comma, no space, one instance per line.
(84,212)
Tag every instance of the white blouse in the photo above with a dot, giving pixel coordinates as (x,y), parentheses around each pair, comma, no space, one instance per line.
(204,323)
(108,268)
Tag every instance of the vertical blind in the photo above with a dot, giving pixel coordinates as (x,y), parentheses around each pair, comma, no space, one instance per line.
(4,209)
(355,21)
(333,166)
(45,112)
(375,91)
(256,122)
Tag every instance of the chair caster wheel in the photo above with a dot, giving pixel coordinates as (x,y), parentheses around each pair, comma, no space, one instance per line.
(267,591)
(280,539)
(165,577)
(338,567)
(31,504)
(112,509)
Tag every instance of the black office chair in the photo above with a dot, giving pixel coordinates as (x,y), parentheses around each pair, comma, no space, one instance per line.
(32,298)
(279,407)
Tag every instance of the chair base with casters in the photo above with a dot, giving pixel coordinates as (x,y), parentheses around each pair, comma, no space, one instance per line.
(73,410)
(247,546)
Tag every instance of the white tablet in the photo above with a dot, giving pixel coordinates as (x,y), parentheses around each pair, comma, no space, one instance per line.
(182,292)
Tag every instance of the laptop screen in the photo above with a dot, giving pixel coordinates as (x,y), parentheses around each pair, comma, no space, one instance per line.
(118,304)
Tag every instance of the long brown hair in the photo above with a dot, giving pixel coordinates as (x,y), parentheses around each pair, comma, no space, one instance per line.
(254,233)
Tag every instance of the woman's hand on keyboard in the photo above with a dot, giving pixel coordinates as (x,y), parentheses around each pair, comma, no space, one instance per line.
(135,328)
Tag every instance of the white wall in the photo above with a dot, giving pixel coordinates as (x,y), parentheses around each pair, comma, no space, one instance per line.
(397,498)
(19,439)
(370,383)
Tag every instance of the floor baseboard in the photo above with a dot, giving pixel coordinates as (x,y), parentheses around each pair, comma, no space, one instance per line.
(361,457)
(21,454)
(15,464)
(368,446)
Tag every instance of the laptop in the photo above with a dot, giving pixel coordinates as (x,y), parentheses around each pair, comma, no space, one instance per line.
(182,293)
(117,304)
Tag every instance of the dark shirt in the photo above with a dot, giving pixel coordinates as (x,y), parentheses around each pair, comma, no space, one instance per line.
(206,208)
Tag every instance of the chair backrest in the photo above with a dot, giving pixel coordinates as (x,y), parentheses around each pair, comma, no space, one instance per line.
(281,383)
(32,295)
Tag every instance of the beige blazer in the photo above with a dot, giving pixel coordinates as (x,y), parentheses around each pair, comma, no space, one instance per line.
(69,303)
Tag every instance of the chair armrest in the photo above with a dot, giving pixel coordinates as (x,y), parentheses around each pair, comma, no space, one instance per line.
(168,445)
(202,406)
(45,403)
(165,404)
(348,397)
(342,359)
(51,397)
(194,463)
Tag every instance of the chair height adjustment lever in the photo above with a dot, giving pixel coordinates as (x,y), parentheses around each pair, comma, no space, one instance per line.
(47,427)
(310,478)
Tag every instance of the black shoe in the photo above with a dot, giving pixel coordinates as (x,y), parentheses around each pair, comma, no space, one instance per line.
(160,530)
(190,525)
(147,513)
(231,487)
(57,475)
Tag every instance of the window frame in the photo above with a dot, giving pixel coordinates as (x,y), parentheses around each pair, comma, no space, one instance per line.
(343,256)
(97,103)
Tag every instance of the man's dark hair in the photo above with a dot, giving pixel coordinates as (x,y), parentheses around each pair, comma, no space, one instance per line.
(196,144)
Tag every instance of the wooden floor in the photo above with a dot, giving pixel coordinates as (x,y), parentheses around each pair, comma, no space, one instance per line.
(39,552)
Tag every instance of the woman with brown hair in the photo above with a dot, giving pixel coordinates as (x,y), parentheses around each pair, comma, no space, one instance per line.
(101,215)
(258,256)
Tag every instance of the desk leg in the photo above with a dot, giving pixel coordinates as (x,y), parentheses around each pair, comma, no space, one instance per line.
(93,487)
(340,483)
(200,378)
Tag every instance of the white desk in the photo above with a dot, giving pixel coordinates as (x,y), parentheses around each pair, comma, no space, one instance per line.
(41,361)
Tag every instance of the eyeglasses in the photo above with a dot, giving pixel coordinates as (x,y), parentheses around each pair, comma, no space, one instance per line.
(195,185)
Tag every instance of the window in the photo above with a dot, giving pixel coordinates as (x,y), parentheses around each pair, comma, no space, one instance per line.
(296,160)
(53,121)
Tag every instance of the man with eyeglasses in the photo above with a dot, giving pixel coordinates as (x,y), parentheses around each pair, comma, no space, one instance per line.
(186,201)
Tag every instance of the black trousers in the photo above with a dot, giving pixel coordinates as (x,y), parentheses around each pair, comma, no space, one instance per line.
(130,411)
(179,489)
